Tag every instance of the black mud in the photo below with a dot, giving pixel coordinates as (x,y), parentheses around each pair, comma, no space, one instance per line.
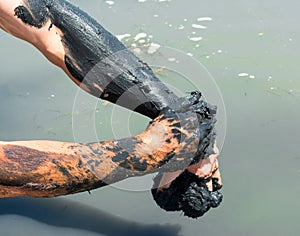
(187,193)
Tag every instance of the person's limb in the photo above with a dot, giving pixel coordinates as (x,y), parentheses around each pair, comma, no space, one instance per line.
(46,35)
(58,30)
(206,168)
(91,56)
(49,168)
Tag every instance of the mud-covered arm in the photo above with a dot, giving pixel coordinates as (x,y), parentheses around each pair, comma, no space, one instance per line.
(49,168)
(100,64)
(91,56)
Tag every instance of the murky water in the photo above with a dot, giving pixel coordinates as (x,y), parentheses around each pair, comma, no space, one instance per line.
(251,48)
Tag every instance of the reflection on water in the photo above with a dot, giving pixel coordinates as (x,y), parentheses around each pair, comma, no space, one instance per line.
(68,214)
(250,48)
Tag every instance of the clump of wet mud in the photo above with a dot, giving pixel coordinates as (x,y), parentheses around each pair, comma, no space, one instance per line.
(187,193)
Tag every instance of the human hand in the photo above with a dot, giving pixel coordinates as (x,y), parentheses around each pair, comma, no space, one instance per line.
(193,190)
(208,169)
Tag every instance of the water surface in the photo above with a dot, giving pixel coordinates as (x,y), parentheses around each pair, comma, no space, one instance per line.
(252,51)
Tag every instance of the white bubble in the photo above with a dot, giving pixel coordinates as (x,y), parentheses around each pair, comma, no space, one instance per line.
(142,0)
(196,39)
(142,41)
(122,36)
(252,76)
(137,50)
(196,26)
(180,27)
(204,19)
(155,15)
(110,2)
(189,54)
(243,74)
(220,51)
(153,48)
(171,59)
(140,36)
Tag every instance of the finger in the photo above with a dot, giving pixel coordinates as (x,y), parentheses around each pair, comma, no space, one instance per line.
(210,185)
(217,173)
(167,178)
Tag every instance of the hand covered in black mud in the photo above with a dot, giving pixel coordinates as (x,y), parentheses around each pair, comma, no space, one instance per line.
(195,189)
(188,193)
(193,126)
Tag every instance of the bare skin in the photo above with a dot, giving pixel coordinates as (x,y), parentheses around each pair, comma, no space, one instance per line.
(205,168)
(48,40)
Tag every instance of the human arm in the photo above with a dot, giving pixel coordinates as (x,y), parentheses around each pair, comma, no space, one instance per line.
(58,30)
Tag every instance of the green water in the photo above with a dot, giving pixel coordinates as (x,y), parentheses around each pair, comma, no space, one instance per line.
(260,159)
